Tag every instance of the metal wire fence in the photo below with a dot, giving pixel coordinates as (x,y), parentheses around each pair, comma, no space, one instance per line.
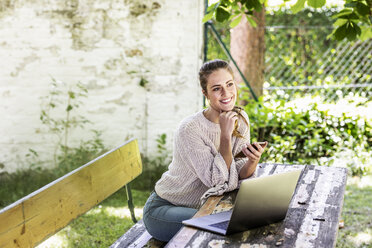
(301,61)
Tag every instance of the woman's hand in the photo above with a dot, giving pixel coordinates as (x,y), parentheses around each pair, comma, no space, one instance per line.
(253,151)
(227,122)
(254,155)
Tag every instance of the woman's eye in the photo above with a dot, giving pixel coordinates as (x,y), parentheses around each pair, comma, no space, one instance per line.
(216,89)
(230,84)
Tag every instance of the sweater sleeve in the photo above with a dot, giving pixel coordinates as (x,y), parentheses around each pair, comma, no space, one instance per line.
(203,159)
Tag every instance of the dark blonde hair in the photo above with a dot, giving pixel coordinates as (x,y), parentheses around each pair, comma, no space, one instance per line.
(205,71)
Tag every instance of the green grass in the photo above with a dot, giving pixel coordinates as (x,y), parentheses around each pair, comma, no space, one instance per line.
(357,215)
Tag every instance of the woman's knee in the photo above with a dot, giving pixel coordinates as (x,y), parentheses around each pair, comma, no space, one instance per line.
(161,229)
(163,219)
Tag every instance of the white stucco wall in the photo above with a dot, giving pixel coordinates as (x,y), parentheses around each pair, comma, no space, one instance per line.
(108,46)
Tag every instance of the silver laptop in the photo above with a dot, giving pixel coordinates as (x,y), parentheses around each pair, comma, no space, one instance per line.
(260,201)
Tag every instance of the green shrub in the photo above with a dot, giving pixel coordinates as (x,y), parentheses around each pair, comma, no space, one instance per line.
(75,157)
(309,135)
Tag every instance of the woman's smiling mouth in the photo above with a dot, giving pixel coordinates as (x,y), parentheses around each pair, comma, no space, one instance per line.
(226,101)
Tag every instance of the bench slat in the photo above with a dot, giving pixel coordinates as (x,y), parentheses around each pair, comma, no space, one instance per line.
(47,210)
(137,236)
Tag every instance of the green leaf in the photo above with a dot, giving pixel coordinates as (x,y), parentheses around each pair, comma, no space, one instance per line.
(222,14)
(232,17)
(366,33)
(350,30)
(71,94)
(351,4)
(251,21)
(258,6)
(351,33)
(249,4)
(340,32)
(69,108)
(356,28)
(253,4)
(300,4)
(352,16)
(207,17)
(33,152)
(212,7)
(342,13)
(362,9)
(339,22)
(236,21)
(366,20)
(143,82)
(225,2)
(316,3)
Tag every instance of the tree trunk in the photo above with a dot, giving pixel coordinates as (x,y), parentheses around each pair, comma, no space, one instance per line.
(247,45)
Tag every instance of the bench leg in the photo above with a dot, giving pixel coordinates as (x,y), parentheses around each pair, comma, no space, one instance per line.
(130,203)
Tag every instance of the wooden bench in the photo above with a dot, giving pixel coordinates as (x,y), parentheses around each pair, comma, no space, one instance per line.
(42,213)
(312,219)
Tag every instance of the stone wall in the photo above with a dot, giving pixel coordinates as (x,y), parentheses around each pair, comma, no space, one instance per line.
(137,59)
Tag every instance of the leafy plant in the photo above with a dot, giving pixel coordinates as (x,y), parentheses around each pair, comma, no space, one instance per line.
(75,157)
(354,21)
(309,135)
(68,99)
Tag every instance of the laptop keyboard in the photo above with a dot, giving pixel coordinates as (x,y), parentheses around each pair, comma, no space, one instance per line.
(222,225)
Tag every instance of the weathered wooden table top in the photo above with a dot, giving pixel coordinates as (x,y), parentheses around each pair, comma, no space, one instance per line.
(312,219)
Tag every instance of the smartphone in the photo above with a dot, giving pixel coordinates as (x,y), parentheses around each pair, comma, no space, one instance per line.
(242,155)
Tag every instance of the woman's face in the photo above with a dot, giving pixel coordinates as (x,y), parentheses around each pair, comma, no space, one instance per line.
(221,90)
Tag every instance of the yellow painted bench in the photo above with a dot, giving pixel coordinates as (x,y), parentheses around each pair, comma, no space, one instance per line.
(42,213)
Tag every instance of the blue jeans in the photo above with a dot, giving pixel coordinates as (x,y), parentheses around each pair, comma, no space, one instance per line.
(163,219)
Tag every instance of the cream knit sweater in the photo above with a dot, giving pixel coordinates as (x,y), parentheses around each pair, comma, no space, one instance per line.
(197,167)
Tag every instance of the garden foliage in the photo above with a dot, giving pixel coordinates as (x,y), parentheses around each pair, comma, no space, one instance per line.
(352,22)
(310,134)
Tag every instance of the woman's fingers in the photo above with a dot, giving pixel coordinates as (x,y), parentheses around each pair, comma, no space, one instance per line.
(254,150)
(232,114)
(259,148)
(229,114)
(249,154)
(227,122)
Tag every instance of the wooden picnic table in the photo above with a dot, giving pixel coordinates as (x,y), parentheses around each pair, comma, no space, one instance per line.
(312,219)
